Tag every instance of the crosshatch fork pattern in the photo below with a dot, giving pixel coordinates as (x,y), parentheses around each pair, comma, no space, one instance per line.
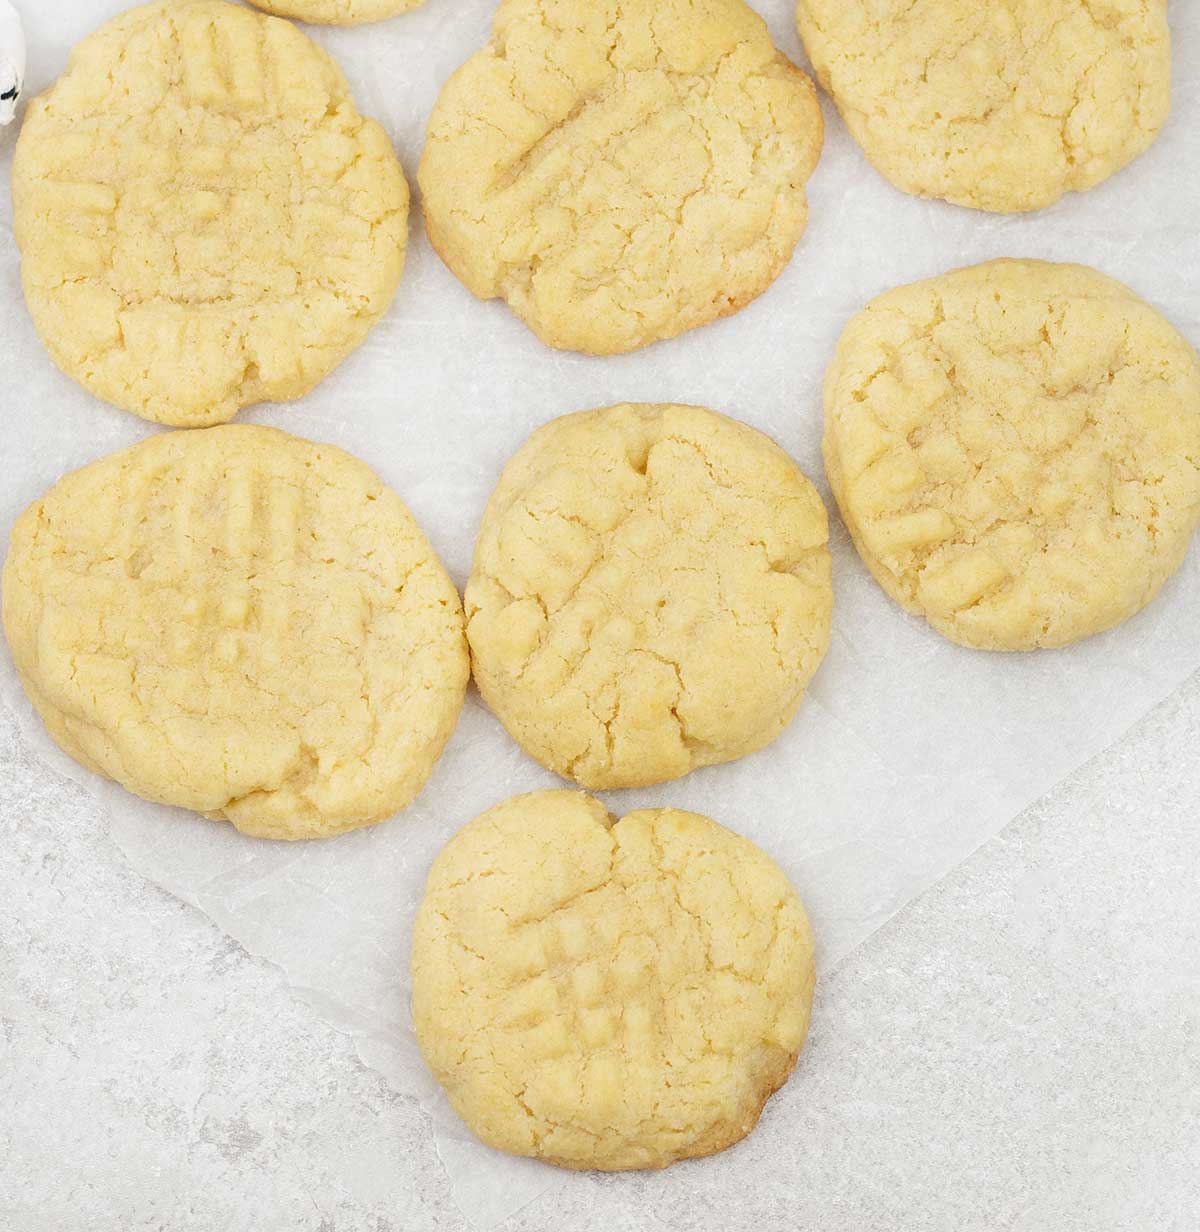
(205,220)
(242,623)
(609,994)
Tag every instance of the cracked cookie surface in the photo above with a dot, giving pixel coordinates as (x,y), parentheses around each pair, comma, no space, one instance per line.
(608,994)
(650,593)
(337,12)
(621,171)
(1015,448)
(240,622)
(1002,106)
(205,221)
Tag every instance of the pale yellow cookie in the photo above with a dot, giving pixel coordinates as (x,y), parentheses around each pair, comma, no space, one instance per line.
(204,219)
(239,622)
(608,994)
(1015,448)
(337,12)
(621,170)
(650,593)
(1003,105)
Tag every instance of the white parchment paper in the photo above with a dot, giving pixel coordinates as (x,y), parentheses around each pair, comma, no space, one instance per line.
(909,752)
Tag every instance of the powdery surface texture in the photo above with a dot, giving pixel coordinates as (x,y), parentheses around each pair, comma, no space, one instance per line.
(908,752)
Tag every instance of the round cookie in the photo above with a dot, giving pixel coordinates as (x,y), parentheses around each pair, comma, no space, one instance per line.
(204,219)
(621,170)
(239,622)
(1002,106)
(1015,449)
(337,12)
(608,994)
(650,593)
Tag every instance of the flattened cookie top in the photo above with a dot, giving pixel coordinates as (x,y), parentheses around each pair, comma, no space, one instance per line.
(608,994)
(1001,106)
(1015,448)
(620,172)
(242,623)
(650,593)
(337,12)
(204,219)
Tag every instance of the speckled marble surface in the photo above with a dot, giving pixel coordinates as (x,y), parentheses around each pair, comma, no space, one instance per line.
(1018,1050)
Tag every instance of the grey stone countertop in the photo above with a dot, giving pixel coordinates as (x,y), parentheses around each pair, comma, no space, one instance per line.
(1019,1049)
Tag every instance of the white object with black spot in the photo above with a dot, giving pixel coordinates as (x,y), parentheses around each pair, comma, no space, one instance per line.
(12,61)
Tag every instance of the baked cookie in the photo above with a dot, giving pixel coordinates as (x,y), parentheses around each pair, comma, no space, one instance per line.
(337,12)
(650,593)
(1015,448)
(204,219)
(608,994)
(1001,106)
(239,622)
(621,170)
